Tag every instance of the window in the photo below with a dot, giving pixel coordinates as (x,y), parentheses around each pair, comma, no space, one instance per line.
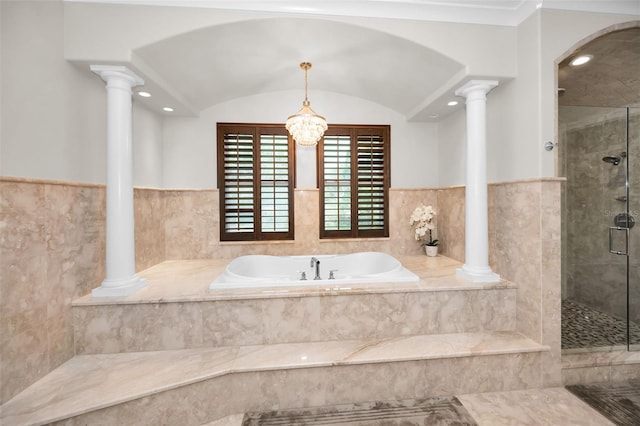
(255,178)
(353,165)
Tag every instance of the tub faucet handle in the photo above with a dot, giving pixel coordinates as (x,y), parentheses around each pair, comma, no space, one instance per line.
(303,275)
(331,276)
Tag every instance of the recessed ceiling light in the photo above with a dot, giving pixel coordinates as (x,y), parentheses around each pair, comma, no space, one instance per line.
(453,103)
(167,109)
(434,116)
(144,94)
(580,60)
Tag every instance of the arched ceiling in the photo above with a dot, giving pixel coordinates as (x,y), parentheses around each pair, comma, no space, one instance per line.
(220,63)
(610,79)
(212,65)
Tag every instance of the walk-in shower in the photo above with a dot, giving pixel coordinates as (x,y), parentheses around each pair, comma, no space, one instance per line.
(601,267)
(599,140)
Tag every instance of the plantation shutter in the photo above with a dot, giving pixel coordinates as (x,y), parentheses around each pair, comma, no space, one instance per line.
(255,178)
(354,182)
(337,183)
(237,199)
(372,183)
(274,183)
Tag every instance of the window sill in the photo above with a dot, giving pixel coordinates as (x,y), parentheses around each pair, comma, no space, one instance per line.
(259,242)
(351,240)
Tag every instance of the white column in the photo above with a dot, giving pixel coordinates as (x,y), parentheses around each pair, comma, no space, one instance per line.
(121,279)
(476,267)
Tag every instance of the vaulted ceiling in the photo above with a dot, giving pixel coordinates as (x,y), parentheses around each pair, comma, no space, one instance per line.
(220,63)
(217,64)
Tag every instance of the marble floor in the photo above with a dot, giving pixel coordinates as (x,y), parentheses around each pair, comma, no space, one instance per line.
(532,407)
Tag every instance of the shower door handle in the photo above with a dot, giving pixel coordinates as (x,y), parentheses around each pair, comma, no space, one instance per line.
(626,240)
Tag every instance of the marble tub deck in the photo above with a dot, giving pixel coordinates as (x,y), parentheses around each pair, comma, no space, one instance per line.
(188,280)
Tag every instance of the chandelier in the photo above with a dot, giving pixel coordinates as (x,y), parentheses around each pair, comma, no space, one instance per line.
(305,126)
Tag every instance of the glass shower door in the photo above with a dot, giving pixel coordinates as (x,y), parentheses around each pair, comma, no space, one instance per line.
(633,206)
(597,302)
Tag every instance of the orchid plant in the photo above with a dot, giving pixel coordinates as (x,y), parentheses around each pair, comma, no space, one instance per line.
(422,219)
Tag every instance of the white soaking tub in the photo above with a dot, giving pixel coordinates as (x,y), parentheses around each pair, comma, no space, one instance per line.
(337,269)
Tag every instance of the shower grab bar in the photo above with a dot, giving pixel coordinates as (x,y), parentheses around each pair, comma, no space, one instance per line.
(626,240)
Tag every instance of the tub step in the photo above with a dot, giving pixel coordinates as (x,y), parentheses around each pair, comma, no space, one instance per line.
(153,387)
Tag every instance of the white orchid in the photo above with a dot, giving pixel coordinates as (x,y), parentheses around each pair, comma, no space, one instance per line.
(422,219)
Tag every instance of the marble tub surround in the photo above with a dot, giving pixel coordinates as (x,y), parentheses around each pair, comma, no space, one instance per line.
(525,248)
(192,227)
(189,315)
(51,252)
(188,219)
(90,383)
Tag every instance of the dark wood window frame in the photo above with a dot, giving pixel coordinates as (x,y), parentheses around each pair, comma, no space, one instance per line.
(241,183)
(369,169)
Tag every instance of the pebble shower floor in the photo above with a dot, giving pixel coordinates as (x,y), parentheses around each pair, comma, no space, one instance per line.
(585,327)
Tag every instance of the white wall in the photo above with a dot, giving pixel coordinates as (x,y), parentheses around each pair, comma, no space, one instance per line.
(521,113)
(451,151)
(53,114)
(147,147)
(190,143)
(561,33)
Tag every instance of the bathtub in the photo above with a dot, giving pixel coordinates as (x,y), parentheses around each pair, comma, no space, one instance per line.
(281,271)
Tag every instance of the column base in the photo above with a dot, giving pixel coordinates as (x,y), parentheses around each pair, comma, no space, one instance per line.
(477,275)
(119,287)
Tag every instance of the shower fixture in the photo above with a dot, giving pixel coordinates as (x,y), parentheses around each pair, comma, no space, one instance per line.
(613,159)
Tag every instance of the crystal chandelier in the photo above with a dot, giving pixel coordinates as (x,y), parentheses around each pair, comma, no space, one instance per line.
(305,126)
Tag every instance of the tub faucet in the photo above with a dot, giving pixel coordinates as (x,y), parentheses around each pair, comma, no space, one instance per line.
(315,262)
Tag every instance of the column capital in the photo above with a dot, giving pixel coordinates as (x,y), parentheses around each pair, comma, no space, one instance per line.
(108,72)
(482,86)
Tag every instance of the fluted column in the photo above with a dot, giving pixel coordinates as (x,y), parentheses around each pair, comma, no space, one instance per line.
(121,278)
(476,257)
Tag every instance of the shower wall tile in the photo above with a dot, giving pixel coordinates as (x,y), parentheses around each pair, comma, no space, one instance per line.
(603,286)
(592,188)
